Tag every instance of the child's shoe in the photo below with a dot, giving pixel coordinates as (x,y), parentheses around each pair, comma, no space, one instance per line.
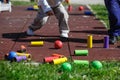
(30,32)
(64,34)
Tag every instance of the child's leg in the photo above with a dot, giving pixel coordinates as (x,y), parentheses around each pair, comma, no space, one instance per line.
(113,7)
(39,21)
(62,16)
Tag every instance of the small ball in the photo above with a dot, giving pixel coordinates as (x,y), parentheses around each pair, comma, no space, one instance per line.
(58,44)
(12,55)
(81,8)
(66,66)
(96,64)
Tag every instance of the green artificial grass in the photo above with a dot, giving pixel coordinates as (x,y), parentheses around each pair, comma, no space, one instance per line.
(22,3)
(101,13)
(20,71)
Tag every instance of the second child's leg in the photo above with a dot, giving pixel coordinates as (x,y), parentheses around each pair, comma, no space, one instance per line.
(38,22)
(62,16)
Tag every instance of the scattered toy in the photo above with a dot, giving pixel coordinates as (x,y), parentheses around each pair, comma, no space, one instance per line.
(59,60)
(106,42)
(20,58)
(87,12)
(81,8)
(66,66)
(96,64)
(81,52)
(70,8)
(81,62)
(90,41)
(58,44)
(22,49)
(50,59)
(37,43)
(12,55)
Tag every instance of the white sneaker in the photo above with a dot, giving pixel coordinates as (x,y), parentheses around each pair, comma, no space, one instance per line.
(30,32)
(65,35)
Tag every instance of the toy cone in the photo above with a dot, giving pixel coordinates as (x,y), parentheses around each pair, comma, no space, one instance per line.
(70,8)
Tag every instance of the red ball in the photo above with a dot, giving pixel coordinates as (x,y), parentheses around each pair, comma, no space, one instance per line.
(58,44)
(81,8)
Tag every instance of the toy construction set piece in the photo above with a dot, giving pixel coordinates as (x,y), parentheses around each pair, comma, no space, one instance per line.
(70,8)
(57,55)
(25,54)
(90,41)
(16,56)
(81,52)
(20,58)
(59,60)
(12,55)
(51,58)
(23,49)
(81,62)
(37,43)
(106,42)
(35,7)
(87,12)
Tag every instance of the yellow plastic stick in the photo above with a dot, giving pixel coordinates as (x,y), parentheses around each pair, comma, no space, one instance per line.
(25,54)
(59,60)
(37,43)
(90,41)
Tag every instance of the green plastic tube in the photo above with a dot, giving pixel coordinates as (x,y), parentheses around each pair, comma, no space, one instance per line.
(81,62)
(81,52)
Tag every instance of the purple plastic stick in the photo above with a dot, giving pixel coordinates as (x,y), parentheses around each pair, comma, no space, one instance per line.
(20,58)
(106,42)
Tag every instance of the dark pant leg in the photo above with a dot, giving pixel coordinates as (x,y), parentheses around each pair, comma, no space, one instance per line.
(113,7)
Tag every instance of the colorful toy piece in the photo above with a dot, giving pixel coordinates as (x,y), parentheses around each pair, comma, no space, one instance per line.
(12,55)
(81,62)
(25,54)
(30,8)
(66,66)
(106,42)
(20,58)
(22,49)
(57,55)
(5,5)
(81,52)
(90,41)
(59,60)
(87,12)
(50,59)
(96,64)
(58,44)
(67,1)
(70,8)
(35,7)
(81,8)
(37,43)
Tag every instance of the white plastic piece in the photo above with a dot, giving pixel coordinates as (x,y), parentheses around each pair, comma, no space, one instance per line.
(5,6)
